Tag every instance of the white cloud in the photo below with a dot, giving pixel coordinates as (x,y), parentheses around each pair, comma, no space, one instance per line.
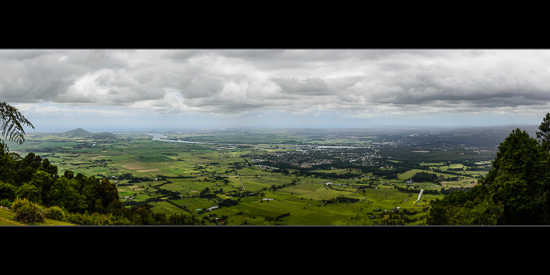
(172,102)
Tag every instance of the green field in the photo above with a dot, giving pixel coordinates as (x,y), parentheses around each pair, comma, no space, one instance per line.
(220,183)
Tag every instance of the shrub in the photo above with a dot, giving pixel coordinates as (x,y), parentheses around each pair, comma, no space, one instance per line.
(96,219)
(79,218)
(26,211)
(7,191)
(55,213)
(5,203)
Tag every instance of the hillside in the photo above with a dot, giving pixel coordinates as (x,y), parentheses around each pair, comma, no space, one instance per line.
(79,132)
(103,135)
(6,218)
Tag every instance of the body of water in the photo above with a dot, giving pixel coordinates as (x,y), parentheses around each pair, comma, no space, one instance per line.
(162,137)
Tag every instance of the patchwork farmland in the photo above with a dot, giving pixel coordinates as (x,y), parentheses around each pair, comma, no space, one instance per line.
(274,176)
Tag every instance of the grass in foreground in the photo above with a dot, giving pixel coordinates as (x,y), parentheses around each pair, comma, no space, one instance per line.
(7,218)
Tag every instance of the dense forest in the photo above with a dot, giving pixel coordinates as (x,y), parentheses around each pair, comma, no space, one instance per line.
(516,191)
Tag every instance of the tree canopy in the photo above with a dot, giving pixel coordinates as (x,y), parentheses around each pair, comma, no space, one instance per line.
(516,191)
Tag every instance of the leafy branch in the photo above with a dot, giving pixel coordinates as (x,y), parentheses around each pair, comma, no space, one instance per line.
(11,124)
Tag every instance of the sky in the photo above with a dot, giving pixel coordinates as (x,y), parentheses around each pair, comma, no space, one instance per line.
(147,89)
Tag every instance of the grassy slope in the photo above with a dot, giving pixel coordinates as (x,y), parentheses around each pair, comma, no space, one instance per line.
(6,218)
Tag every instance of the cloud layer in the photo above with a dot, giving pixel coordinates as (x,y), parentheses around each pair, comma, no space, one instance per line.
(363,83)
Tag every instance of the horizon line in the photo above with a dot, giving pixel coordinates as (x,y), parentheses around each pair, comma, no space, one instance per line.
(221,128)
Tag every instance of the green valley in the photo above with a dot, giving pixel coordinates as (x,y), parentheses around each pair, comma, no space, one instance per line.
(275,176)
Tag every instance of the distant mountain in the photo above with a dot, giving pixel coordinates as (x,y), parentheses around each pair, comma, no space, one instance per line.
(103,135)
(83,133)
(77,133)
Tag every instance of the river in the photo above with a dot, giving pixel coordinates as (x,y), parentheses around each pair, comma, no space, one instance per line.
(161,137)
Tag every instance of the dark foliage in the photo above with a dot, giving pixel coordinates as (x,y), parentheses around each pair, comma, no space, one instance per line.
(425,177)
(516,191)
(88,200)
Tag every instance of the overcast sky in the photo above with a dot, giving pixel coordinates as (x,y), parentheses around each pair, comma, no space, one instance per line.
(110,90)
